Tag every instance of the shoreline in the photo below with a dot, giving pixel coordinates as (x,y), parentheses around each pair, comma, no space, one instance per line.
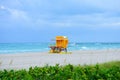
(40,59)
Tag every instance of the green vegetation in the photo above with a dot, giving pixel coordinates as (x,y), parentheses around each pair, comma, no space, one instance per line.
(106,71)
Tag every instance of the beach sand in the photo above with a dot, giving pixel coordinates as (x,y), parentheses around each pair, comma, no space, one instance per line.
(26,60)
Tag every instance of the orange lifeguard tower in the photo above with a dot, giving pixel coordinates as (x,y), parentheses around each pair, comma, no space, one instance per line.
(61,44)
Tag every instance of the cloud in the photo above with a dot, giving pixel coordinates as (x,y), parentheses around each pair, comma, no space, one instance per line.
(65,13)
(86,20)
(104,5)
(2,7)
(113,24)
(15,13)
(66,7)
(71,7)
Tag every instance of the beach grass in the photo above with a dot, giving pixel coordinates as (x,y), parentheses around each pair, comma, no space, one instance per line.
(109,64)
(104,71)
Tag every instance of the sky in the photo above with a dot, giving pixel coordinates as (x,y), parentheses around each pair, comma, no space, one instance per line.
(43,20)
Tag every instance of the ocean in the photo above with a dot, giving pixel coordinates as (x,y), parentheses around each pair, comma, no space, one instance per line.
(44,47)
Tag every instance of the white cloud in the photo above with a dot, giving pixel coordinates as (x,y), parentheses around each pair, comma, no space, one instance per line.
(107,5)
(89,20)
(67,13)
(2,7)
(15,13)
(18,14)
(113,24)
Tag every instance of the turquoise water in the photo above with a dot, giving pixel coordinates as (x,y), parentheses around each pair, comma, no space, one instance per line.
(43,47)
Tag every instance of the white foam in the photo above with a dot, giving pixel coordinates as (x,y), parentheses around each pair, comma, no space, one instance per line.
(84,47)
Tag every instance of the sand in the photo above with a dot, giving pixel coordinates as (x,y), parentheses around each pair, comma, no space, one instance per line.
(83,57)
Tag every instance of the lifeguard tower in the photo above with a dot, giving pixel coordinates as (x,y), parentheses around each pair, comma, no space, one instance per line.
(61,44)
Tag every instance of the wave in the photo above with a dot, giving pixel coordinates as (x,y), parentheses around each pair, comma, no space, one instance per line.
(84,47)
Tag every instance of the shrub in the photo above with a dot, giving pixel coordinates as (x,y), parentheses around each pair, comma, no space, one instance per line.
(105,71)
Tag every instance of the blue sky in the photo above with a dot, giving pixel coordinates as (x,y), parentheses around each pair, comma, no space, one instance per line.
(42,20)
